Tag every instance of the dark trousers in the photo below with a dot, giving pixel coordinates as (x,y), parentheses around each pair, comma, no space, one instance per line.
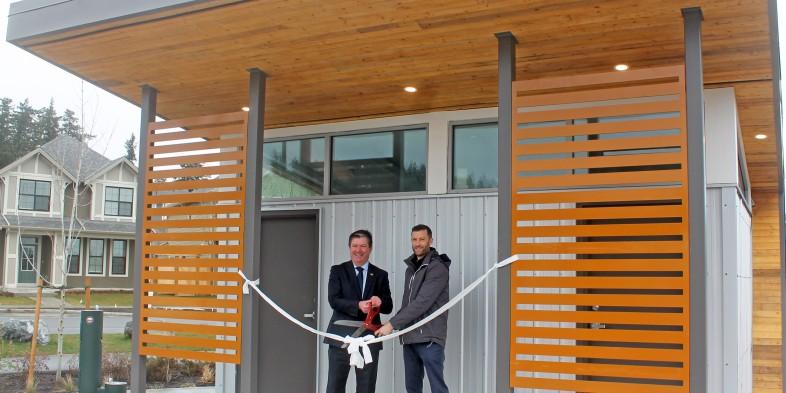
(428,356)
(338,372)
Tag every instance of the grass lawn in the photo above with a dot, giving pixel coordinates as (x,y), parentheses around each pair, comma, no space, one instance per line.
(103,299)
(16,300)
(111,343)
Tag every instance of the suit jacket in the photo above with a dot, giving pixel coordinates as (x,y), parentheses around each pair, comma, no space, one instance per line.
(344,295)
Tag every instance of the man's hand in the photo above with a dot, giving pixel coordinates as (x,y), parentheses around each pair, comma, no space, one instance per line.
(364,306)
(375,301)
(386,329)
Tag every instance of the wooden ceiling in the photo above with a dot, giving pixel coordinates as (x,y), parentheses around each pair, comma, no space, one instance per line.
(342,59)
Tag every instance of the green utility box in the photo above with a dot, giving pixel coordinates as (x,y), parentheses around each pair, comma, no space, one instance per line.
(91,330)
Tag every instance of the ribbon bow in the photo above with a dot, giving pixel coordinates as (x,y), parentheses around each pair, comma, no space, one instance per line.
(356,344)
(247,282)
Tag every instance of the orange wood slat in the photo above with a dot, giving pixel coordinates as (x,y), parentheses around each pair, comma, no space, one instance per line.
(671,123)
(189,328)
(237,155)
(626,300)
(601,265)
(193,210)
(192,355)
(186,275)
(613,93)
(206,133)
(666,106)
(195,223)
(195,197)
(654,229)
(599,352)
(629,318)
(597,162)
(192,236)
(600,179)
(600,282)
(594,386)
(196,146)
(598,213)
(630,247)
(649,142)
(607,335)
(188,301)
(604,370)
(191,315)
(616,195)
(192,289)
(192,249)
(193,262)
(576,81)
(200,121)
(190,342)
(211,184)
(195,172)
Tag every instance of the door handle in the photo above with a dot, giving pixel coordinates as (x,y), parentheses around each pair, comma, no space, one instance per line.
(311,315)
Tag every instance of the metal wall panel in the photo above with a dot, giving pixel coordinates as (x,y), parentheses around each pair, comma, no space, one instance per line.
(465,228)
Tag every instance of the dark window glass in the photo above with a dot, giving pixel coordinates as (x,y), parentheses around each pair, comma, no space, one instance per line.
(293,169)
(393,161)
(73,256)
(119,257)
(475,156)
(34,195)
(95,264)
(119,201)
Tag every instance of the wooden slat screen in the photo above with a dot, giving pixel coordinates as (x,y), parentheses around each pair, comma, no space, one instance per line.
(600,217)
(193,238)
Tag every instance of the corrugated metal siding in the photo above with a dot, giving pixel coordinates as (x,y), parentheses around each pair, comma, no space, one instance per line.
(465,228)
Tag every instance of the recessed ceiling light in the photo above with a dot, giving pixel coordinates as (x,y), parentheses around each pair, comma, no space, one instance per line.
(245,109)
(761,136)
(410,89)
(621,67)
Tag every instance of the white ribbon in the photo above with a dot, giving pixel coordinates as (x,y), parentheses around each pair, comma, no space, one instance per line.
(358,347)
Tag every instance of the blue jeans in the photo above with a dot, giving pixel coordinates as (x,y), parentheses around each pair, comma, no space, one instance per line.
(428,356)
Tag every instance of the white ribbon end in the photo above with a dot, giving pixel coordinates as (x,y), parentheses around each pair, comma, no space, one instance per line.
(247,282)
(354,348)
(507,261)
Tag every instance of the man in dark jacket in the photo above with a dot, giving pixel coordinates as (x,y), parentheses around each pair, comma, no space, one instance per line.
(425,291)
(355,286)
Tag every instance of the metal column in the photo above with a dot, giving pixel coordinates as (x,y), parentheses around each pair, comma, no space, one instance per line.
(251,357)
(697,189)
(138,380)
(507,74)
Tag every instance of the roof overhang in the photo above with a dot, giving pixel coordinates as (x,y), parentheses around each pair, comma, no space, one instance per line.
(350,59)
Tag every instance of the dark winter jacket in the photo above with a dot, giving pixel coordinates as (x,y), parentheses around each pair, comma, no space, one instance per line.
(425,291)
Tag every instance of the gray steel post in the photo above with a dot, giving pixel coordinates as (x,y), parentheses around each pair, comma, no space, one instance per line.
(697,189)
(138,380)
(507,74)
(777,107)
(251,356)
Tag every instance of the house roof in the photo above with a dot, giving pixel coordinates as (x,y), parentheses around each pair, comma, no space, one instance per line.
(56,224)
(75,157)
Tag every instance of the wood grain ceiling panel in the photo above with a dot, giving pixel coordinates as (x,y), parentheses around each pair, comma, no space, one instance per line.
(342,59)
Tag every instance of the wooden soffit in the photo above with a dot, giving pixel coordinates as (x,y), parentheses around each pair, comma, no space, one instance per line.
(347,59)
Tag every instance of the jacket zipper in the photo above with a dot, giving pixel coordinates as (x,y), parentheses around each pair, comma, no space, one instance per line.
(411,280)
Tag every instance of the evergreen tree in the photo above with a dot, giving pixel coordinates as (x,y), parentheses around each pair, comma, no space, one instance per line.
(47,124)
(69,125)
(22,123)
(131,148)
(6,113)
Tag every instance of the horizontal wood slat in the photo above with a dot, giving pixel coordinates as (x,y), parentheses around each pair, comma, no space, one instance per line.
(189,328)
(192,236)
(196,146)
(599,218)
(191,315)
(192,289)
(197,158)
(200,121)
(215,357)
(196,223)
(195,172)
(195,197)
(190,342)
(206,133)
(193,210)
(193,262)
(187,185)
(187,301)
(187,275)
(192,250)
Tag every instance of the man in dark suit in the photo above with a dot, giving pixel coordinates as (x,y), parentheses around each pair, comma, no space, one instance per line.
(354,288)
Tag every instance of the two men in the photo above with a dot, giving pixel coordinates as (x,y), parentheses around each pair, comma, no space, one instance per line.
(426,290)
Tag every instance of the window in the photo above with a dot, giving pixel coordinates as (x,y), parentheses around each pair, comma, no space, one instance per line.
(293,169)
(392,161)
(474,156)
(73,257)
(119,201)
(119,259)
(34,195)
(95,264)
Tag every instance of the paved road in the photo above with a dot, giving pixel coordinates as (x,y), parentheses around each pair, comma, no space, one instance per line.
(112,323)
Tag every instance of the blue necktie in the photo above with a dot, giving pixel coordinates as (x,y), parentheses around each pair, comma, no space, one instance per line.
(360,280)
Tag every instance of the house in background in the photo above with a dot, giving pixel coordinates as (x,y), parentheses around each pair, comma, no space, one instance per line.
(66,194)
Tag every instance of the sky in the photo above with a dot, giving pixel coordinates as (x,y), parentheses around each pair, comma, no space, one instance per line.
(113,120)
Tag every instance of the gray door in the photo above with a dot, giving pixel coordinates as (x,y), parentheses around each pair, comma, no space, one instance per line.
(290,263)
(28,259)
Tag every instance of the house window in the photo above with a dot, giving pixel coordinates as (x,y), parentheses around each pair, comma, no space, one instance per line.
(119,258)
(34,195)
(119,201)
(474,156)
(380,162)
(293,169)
(28,251)
(95,264)
(74,254)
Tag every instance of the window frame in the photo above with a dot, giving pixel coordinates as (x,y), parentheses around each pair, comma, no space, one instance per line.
(326,195)
(79,261)
(34,195)
(89,256)
(112,256)
(118,187)
(451,144)
(37,259)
